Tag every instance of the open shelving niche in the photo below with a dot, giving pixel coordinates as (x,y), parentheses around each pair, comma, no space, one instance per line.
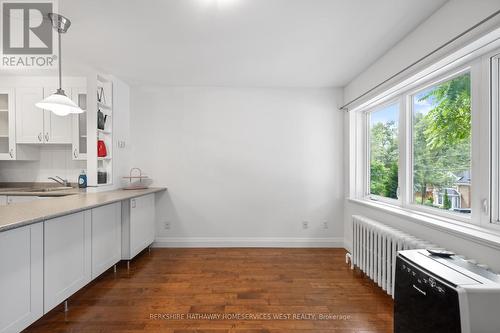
(97,164)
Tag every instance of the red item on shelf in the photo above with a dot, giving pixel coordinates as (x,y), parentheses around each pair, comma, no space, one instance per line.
(101,149)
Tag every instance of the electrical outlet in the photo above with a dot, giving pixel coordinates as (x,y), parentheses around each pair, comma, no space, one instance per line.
(305,225)
(167,225)
(325,224)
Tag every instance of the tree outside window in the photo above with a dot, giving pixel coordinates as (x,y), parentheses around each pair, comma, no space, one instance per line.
(442,145)
(384,151)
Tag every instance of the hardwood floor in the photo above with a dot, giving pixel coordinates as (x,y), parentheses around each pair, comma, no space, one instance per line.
(234,282)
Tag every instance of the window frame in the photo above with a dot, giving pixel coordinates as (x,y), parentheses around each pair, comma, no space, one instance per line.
(405,132)
(494,99)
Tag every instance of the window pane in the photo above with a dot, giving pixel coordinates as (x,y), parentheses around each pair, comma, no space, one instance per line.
(384,151)
(442,146)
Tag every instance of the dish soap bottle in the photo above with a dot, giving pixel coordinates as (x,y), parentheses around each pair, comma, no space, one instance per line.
(82,180)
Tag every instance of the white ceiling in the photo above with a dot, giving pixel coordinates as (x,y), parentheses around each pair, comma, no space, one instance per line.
(272,43)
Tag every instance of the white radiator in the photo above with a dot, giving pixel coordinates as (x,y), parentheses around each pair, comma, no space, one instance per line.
(374,249)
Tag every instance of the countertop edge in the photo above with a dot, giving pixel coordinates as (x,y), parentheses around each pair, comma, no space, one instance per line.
(133,194)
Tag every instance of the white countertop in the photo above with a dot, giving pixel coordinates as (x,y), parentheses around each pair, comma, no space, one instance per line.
(21,214)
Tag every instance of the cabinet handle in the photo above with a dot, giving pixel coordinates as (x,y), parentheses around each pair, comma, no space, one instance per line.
(11,153)
(132,203)
(40,137)
(47,137)
(75,153)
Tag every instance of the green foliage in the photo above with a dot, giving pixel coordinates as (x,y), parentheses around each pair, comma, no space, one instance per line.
(384,160)
(446,201)
(384,142)
(449,123)
(391,185)
(378,177)
(441,138)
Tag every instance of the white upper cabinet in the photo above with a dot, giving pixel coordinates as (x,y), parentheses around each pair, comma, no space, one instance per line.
(57,129)
(34,125)
(7,125)
(29,118)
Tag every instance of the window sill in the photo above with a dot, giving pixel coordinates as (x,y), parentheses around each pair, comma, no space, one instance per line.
(478,234)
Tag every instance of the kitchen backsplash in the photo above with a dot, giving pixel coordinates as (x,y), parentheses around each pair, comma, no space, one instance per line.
(55,160)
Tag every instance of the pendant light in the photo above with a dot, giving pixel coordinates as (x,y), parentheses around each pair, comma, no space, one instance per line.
(58,102)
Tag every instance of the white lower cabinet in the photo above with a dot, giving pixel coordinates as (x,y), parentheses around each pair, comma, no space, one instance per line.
(138,225)
(67,257)
(43,264)
(21,278)
(106,237)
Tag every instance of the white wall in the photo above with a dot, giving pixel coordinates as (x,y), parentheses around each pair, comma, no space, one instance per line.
(453,18)
(243,167)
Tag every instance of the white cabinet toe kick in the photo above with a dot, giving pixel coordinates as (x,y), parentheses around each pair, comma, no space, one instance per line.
(44,263)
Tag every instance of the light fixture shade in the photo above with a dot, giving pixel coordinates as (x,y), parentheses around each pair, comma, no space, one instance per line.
(60,104)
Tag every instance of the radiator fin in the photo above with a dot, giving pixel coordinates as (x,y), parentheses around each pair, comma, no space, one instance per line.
(375,246)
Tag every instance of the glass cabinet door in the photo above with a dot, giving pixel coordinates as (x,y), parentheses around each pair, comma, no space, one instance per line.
(80,126)
(7,144)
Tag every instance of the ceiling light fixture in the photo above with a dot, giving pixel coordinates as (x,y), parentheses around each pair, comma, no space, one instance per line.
(219,3)
(58,102)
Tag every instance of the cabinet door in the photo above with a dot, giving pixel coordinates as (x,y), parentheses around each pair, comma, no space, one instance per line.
(106,237)
(67,257)
(29,118)
(57,129)
(21,278)
(142,223)
(7,125)
(80,125)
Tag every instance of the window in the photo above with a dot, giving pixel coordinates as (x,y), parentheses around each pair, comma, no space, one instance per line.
(441,145)
(384,151)
(420,152)
(430,143)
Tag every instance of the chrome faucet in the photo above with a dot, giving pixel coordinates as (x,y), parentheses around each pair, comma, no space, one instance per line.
(59,180)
